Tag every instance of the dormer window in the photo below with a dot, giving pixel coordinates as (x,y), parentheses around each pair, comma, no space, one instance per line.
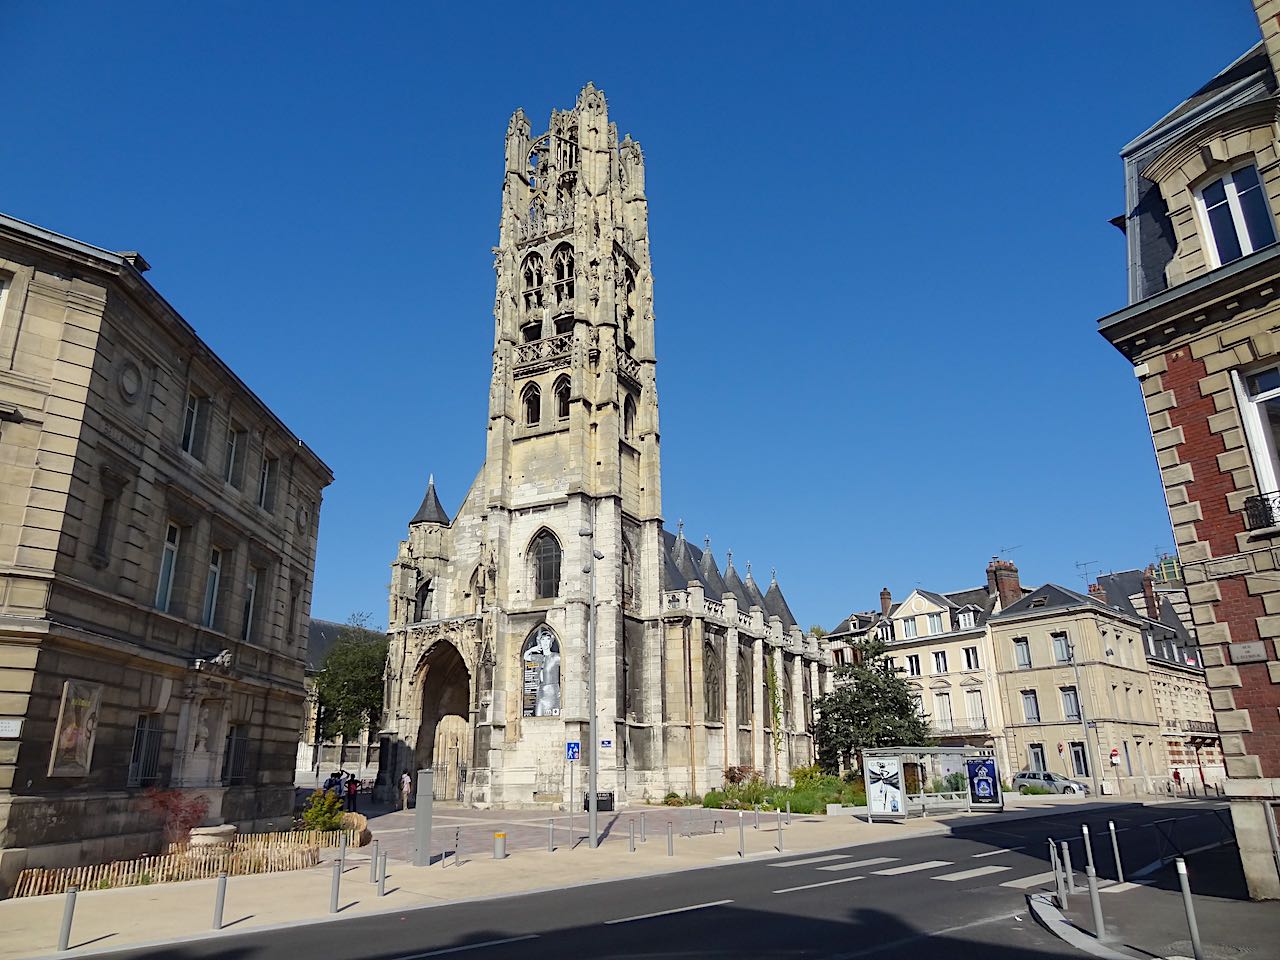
(966,620)
(1235,215)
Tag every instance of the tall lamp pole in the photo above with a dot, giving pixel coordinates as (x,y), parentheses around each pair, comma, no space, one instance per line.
(592,764)
(1084,723)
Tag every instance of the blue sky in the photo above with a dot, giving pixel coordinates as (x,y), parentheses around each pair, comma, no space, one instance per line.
(879,235)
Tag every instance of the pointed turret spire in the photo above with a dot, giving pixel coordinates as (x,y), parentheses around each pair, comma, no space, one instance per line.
(709,573)
(733,583)
(431,511)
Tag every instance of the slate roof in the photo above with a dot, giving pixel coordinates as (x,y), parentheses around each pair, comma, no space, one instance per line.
(321,636)
(776,604)
(1122,587)
(709,574)
(431,511)
(735,586)
(682,563)
(1055,597)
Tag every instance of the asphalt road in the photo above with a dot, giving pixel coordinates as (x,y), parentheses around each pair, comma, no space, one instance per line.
(956,897)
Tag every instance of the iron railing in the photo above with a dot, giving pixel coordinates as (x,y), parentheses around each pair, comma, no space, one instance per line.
(1262,511)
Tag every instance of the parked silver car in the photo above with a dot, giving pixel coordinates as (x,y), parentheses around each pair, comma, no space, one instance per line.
(1054,782)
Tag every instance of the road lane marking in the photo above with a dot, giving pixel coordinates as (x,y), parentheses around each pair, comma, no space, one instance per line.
(470,946)
(803,863)
(824,883)
(860,863)
(992,853)
(1119,887)
(664,913)
(1026,883)
(975,872)
(913,867)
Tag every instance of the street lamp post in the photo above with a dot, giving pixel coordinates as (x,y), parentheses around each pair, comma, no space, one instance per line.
(592,765)
(1084,721)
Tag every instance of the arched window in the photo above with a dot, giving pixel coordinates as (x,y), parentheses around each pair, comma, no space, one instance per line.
(540,674)
(531,400)
(629,417)
(713,679)
(628,579)
(531,283)
(544,559)
(787,673)
(422,600)
(562,398)
(562,264)
(744,683)
(628,309)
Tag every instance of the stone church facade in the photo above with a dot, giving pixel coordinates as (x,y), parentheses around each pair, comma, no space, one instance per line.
(489,609)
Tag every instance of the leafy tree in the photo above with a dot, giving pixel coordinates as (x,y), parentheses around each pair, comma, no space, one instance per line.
(869,706)
(349,685)
(817,631)
(323,811)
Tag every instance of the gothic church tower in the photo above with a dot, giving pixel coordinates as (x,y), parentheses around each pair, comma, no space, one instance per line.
(489,610)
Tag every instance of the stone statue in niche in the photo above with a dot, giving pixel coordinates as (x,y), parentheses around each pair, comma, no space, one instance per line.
(202,728)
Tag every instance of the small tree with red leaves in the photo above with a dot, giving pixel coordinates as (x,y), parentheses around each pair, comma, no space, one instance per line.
(179,811)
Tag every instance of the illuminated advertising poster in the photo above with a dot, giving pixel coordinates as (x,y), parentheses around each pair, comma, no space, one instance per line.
(984,783)
(884,787)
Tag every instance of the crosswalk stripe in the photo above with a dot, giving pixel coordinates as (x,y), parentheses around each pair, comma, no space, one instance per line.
(824,883)
(992,853)
(806,862)
(1025,883)
(913,867)
(1119,887)
(860,863)
(975,872)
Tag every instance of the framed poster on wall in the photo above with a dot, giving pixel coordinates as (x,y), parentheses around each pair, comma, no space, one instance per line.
(72,752)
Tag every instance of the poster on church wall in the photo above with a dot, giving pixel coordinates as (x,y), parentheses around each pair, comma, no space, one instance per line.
(540,679)
(77,728)
(883,778)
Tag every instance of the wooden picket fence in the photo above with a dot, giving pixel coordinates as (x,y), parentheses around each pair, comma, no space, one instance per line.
(197,864)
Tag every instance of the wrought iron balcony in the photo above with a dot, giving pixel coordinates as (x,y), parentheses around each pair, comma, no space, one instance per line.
(1262,511)
(1199,726)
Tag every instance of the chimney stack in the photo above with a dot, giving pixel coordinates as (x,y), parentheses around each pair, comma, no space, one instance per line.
(1098,592)
(1002,580)
(1149,593)
(886,601)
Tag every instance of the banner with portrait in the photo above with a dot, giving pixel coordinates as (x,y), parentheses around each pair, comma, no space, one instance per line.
(540,674)
(883,778)
(77,728)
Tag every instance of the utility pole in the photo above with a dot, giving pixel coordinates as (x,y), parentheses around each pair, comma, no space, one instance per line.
(1084,722)
(592,761)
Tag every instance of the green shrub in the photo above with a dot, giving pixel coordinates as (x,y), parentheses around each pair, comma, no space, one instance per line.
(1034,789)
(673,799)
(714,800)
(956,782)
(323,811)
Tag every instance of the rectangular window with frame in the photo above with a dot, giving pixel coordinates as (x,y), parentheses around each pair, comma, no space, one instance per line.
(966,620)
(935,623)
(1030,706)
(939,661)
(1258,395)
(211,584)
(974,711)
(252,587)
(267,483)
(233,456)
(168,566)
(1235,214)
(1061,648)
(913,665)
(1071,703)
(235,759)
(144,760)
(1035,757)
(909,628)
(195,424)
(1022,654)
(1079,759)
(971,658)
(942,718)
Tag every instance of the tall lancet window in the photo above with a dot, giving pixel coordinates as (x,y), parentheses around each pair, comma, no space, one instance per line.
(713,679)
(544,559)
(531,298)
(744,682)
(562,264)
(531,400)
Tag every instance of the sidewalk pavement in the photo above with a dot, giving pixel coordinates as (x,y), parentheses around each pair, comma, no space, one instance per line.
(1149,920)
(132,916)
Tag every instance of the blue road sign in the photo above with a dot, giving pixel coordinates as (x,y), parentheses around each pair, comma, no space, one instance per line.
(573,750)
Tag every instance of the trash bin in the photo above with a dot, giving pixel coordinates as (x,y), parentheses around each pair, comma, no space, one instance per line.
(604,801)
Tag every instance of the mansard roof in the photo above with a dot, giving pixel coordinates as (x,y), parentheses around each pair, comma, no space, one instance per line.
(431,511)
(1122,587)
(1051,597)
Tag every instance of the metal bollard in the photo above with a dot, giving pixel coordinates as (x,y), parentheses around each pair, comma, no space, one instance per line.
(1115,851)
(1099,928)
(373,864)
(1066,865)
(644,829)
(333,887)
(757,826)
(68,912)
(1088,846)
(742,836)
(382,875)
(671,842)
(551,836)
(457,848)
(780,830)
(631,835)
(788,813)
(1196,949)
(342,851)
(220,900)
(499,847)
(1059,881)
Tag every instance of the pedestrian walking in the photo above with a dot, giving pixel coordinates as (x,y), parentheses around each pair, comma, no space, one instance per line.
(352,786)
(406,787)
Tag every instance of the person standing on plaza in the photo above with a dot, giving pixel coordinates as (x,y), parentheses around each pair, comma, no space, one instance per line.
(352,786)
(406,788)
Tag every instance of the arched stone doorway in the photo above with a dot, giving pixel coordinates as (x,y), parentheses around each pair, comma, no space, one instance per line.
(444,736)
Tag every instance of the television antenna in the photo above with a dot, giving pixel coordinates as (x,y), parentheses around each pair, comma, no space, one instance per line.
(1005,551)
(1083,566)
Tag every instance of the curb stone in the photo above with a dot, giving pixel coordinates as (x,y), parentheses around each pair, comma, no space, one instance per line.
(1049,917)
